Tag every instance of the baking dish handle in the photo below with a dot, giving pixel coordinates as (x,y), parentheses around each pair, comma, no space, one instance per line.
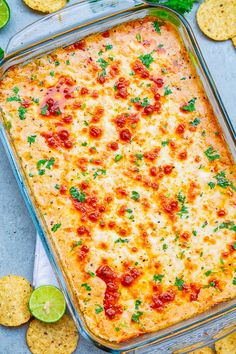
(64,21)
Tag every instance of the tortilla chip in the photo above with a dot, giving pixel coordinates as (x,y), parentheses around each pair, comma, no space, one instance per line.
(52,338)
(226,345)
(15,292)
(234,41)
(217,19)
(46,6)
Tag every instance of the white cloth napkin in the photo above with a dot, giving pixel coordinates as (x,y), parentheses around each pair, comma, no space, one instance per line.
(43,273)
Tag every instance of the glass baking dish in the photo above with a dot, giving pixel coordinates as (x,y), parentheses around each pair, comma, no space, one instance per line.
(63,28)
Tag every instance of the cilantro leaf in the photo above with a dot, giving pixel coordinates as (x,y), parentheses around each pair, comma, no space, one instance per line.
(135,317)
(167,91)
(80,196)
(31,139)
(56,227)
(179,283)
(86,286)
(146,59)
(122,240)
(223,182)
(22,111)
(98,309)
(195,122)
(211,154)
(158,277)
(190,107)
(181,6)
(135,195)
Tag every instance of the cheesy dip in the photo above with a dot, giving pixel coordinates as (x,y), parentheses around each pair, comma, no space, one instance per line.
(131,173)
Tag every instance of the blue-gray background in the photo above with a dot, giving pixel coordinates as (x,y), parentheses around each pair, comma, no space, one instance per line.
(17,232)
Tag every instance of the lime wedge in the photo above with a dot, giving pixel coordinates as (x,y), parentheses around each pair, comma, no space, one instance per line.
(4,13)
(47,303)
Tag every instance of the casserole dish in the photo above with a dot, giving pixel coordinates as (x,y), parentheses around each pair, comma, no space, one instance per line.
(32,51)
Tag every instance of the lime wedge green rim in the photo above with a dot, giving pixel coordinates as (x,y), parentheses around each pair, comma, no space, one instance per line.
(57,293)
(4,6)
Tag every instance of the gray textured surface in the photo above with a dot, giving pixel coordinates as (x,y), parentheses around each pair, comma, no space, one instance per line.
(17,233)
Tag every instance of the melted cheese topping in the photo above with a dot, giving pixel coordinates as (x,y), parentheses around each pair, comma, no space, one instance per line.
(132,175)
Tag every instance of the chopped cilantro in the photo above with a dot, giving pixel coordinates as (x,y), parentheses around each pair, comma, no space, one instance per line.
(16,90)
(165,247)
(158,277)
(135,195)
(208,273)
(204,224)
(31,139)
(211,154)
(35,100)
(103,64)
(109,46)
(86,123)
(194,232)
(80,196)
(118,157)
(76,244)
(165,142)
(230,225)
(234,281)
(139,156)
(84,143)
(131,73)
(16,97)
(184,210)
(57,186)
(99,172)
(50,163)
(144,103)
(22,111)
(57,63)
(91,273)
(98,309)
(52,73)
(195,122)
(137,304)
(135,317)
(223,182)
(190,107)
(211,185)
(146,59)
(167,91)
(138,37)
(55,227)
(179,283)
(86,286)
(44,110)
(45,163)
(122,240)
(67,62)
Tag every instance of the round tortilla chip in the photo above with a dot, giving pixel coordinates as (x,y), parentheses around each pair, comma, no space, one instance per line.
(46,6)
(226,345)
(52,338)
(217,19)
(15,292)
